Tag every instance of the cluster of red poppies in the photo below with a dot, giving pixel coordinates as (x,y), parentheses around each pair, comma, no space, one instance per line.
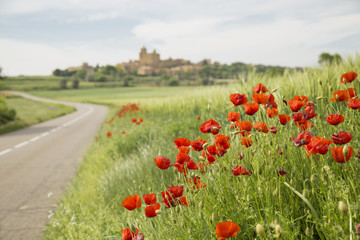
(303,110)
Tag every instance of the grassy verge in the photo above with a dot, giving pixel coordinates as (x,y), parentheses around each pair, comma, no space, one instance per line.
(301,204)
(29,112)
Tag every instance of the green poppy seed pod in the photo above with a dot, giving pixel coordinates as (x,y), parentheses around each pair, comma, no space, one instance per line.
(201,204)
(305,193)
(345,150)
(213,217)
(158,211)
(278,231)
(260,231)
(343,208)
(330,88)
(313,178)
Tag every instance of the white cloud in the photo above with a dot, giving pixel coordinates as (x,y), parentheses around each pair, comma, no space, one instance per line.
(25,58)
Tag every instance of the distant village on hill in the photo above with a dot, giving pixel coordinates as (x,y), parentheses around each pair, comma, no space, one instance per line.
(150,67)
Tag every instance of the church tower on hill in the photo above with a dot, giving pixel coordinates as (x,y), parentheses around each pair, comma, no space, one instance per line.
(150,59)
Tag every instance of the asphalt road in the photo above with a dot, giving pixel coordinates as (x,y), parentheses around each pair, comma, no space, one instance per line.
(36,164)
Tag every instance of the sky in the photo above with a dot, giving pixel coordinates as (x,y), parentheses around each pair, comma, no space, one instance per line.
(39,36)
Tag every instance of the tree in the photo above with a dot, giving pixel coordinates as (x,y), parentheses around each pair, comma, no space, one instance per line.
(330,59)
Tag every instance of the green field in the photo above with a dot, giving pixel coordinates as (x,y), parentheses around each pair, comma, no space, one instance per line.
(29,112)
(116,96)
(317,198)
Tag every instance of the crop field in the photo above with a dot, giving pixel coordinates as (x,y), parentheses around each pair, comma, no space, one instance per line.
(29,112)
(224,162)
(116,96)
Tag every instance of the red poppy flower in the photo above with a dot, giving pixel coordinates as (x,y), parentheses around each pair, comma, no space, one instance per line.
(226,230)
(210,126)
(318,145)
(259,98)
(260,88)
(149,198)
(335,119)
(251,108)
(176,191)
(262,127)
(211,159)
(351,92)
(128,234)
(133,120)
(150,211)
(349,77)
(240,170)
(244,125)
(182,142)
(182,157)
(196,182)
(296,105)
(141,120)
(162,162)
(197,145)
(297,116)
(341,138)
(341,96)
(271,101)
(272,112)
(338,154)
(238,99)
(233,116)
(284,119)
(198,117)
(180,167)
(191,165)
(301,98)
(183,149)
(281,172)
(273,130)
(354,104)
(132,202)
(108,134)
(309,112)
(246,142)
(183,201)
(304,124)
(302,139)
(222,140)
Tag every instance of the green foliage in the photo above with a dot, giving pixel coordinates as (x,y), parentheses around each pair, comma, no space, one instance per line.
(75,84)
(63,84)
(173,82)
(6,114)
(330,59)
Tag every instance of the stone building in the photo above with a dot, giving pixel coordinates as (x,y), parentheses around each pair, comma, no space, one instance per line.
(149,59)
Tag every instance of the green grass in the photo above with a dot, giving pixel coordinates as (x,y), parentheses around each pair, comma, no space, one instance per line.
(29,112)
(116,96)
(303,202)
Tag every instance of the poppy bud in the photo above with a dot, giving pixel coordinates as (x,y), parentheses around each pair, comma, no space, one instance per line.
(216,128)
(343,208)
(134,182)
(319,98)
(213,217)
(313,178)
(205,145)
(260,231)
(308,231)
(201,158)
(330,88)
(201,204)
(345,150)
(278,231)
(208,107)
(303,141)
(158,211)
(274,90)
(305,193)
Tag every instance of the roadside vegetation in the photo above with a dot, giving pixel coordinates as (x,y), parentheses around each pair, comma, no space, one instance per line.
(245,183)
(25,112)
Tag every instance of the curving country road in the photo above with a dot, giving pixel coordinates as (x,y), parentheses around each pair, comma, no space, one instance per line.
(36,164)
